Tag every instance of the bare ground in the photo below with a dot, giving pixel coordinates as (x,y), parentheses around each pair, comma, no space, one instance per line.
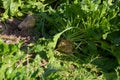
(11,34)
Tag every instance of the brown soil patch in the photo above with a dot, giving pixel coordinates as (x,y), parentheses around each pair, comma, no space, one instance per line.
(11,34)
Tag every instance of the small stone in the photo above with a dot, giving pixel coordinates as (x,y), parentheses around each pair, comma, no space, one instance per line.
(65,46)
(28,22)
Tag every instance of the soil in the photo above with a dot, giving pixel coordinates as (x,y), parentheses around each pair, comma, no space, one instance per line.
(11,34)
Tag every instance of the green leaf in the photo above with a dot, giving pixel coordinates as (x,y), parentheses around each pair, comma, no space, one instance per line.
(114,37)
(53,43)
(92,47)
(11,7)
(116,52)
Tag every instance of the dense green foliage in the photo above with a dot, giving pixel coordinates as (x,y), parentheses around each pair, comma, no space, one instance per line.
(92,26)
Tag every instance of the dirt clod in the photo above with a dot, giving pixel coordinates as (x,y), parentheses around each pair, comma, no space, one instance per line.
(65,46)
